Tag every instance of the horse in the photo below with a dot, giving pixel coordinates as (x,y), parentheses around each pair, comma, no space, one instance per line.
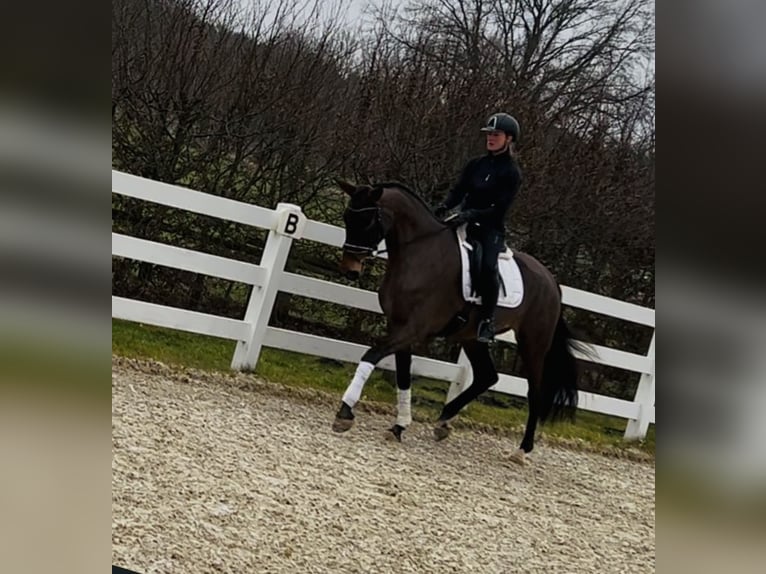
(421,297)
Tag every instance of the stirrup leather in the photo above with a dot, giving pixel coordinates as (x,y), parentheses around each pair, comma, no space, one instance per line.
(486,331)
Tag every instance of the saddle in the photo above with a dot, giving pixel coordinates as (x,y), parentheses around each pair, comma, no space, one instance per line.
(511,282)
(508,273)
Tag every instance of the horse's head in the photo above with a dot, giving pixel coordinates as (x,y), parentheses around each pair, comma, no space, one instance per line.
(365,226)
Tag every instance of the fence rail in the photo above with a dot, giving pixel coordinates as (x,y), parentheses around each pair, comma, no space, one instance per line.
(287,223)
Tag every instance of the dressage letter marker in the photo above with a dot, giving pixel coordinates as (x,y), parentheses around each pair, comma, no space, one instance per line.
(290,220)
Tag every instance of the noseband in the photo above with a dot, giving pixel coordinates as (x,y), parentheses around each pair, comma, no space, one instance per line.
(365,249)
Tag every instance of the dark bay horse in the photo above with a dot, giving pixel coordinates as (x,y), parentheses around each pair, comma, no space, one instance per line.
(421,296)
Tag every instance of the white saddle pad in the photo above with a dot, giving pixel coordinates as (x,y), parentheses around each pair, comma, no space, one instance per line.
(513,293)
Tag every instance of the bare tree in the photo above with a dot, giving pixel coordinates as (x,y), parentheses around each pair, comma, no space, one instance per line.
(238,104)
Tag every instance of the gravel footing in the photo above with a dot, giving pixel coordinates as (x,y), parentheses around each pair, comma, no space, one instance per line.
(219,473)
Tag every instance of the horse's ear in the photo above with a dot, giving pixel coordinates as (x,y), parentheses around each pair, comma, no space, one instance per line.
(345,186)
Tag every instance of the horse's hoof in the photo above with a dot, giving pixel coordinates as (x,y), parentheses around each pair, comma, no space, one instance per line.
(344,418)
(442,430)
(342,425)
(519,457)
(395,433)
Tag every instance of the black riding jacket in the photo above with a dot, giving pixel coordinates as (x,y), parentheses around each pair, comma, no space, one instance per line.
(487,188)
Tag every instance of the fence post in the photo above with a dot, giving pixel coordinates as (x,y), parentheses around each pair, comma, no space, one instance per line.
(290,222)
(636,428)
(463,379)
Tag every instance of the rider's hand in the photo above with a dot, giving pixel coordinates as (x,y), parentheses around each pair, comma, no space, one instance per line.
(466,216)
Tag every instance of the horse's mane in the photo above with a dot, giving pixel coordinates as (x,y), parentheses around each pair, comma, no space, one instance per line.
(408,191)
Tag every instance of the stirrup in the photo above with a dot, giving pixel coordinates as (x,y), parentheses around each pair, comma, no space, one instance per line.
(486,331)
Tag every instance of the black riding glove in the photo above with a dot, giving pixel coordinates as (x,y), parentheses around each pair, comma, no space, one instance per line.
(440,211)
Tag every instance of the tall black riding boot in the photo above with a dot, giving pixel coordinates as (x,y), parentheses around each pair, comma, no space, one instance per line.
(486,332)
(492,243)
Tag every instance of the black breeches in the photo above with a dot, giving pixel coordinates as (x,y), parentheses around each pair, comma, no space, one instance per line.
(492,243)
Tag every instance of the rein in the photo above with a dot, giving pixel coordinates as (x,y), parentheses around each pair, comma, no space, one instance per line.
(374,251)
(414,239)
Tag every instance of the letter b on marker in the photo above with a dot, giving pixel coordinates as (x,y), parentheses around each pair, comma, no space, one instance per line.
(291,225)
(291,220)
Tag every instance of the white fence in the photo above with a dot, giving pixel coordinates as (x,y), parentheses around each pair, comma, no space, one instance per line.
(287,223)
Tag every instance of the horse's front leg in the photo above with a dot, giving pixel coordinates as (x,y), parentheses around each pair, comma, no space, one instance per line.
(344,418)
(404,403)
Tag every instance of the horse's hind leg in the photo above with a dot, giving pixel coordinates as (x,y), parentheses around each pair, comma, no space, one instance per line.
(534,361)
(484,376)
(404,405)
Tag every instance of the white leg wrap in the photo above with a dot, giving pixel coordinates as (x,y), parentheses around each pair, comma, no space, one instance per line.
(354,390)
(403,412)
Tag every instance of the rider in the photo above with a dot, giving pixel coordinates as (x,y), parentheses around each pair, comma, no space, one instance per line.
(487,187)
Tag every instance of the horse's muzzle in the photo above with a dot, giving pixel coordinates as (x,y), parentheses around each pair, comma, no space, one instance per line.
(350,266)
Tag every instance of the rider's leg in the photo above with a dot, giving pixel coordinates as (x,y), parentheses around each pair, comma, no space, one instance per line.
(492,245)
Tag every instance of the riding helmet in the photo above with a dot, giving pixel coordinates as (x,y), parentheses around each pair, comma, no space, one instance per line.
(504,123)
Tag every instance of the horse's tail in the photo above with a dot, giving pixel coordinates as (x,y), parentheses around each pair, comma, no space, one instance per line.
(560,373)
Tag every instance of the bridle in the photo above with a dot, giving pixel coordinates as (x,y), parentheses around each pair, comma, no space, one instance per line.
(365,249)
(373,251)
